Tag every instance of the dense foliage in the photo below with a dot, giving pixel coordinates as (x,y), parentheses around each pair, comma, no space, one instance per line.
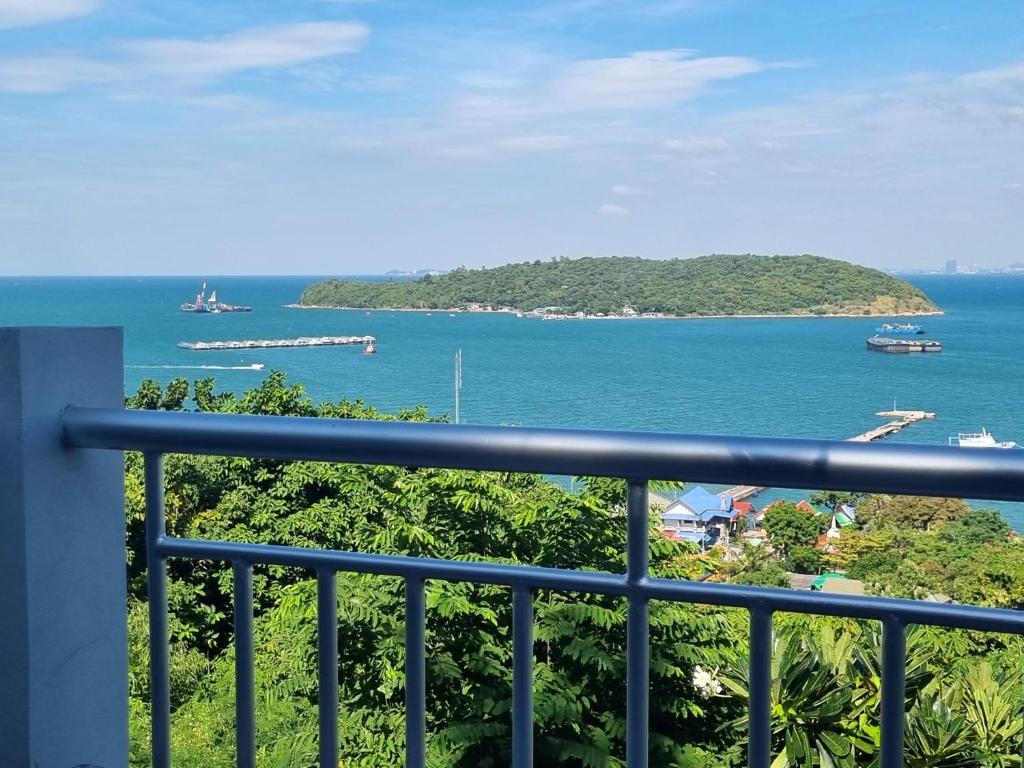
(710,285)
(963,689)
(916,547)
(580,657)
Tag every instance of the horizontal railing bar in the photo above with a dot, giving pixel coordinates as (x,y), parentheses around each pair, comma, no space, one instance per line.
(596,582)
(758,461)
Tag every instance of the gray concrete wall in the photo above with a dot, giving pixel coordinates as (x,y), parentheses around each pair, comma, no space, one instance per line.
(63,637)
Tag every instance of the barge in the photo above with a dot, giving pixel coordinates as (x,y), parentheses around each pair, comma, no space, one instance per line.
(302,341)
(902,346)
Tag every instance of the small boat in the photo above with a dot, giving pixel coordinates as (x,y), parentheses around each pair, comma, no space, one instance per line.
(370,349)
(902,346)
(900,328)
(981,439)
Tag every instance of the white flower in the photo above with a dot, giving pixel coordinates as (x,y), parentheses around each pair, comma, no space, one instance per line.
(706,682)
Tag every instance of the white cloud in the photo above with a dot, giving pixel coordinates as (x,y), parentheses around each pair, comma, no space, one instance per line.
(1012,73)
(27,13)
(697,145)
(253,48)
(537,143)
(464,152)
(610,209)
(561,11)
(49,74)
(645,79)
(624,190)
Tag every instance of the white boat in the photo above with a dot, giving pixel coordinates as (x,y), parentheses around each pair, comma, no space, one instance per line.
(981,439)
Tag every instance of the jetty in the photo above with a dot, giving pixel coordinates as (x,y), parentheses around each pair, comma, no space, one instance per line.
(302,341)
(897,421)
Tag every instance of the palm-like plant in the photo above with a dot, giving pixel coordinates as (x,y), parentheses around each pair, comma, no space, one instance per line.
(992,714)
(935,737)
(813,707)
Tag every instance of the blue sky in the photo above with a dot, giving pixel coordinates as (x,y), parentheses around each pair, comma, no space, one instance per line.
(357,136)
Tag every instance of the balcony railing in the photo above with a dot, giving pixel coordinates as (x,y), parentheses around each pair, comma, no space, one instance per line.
(634,457)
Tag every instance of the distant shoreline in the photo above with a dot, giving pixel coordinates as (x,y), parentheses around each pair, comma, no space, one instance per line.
(649,316)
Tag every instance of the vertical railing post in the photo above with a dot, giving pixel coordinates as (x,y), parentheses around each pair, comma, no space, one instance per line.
(159,636)
(638,660)
(522,677)
(415,674)
(759,688)
(327,665)
(894,674)
(245,686)
(63,615)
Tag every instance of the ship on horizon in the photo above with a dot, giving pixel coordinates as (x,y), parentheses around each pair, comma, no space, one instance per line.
(210,305)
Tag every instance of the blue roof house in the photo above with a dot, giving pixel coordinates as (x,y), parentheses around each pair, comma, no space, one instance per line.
(699,516)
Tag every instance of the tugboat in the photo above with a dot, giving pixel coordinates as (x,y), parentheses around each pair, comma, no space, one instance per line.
(370,349)
(211,306)
(981,439)
(900,328)
(902,346)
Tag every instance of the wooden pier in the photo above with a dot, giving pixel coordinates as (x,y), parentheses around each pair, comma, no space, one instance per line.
(898,420)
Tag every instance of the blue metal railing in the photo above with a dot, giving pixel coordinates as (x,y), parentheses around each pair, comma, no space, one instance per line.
(635,457)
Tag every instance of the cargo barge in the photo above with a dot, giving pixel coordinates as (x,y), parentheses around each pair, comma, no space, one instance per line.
(902,346)
(302,341)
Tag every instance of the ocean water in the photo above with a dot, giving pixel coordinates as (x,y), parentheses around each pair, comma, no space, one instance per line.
(801,377)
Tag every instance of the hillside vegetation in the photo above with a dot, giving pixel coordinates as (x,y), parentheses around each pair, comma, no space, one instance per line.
(963,689)
(709,285)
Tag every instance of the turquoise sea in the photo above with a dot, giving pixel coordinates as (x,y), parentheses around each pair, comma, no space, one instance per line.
(806,377)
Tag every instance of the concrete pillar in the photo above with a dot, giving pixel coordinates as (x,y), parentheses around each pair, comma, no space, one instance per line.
(63,636)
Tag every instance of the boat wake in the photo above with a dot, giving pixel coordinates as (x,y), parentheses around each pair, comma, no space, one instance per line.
(253,367)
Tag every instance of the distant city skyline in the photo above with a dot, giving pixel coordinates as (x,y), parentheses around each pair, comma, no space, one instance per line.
(360,136)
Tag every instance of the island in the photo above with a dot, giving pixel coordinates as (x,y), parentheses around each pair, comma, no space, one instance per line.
(614,286)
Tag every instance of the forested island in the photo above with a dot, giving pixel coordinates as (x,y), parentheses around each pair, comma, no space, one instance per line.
(627,286)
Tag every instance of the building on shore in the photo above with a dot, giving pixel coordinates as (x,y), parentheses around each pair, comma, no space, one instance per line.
(702,517)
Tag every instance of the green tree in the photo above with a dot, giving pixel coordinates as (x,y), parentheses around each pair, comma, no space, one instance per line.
(788,526)
(769,575)
(909,512)
(804,559)
(833,500)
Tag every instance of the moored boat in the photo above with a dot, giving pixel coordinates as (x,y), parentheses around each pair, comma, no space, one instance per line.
(981,439)
(900,328)
(902,346)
